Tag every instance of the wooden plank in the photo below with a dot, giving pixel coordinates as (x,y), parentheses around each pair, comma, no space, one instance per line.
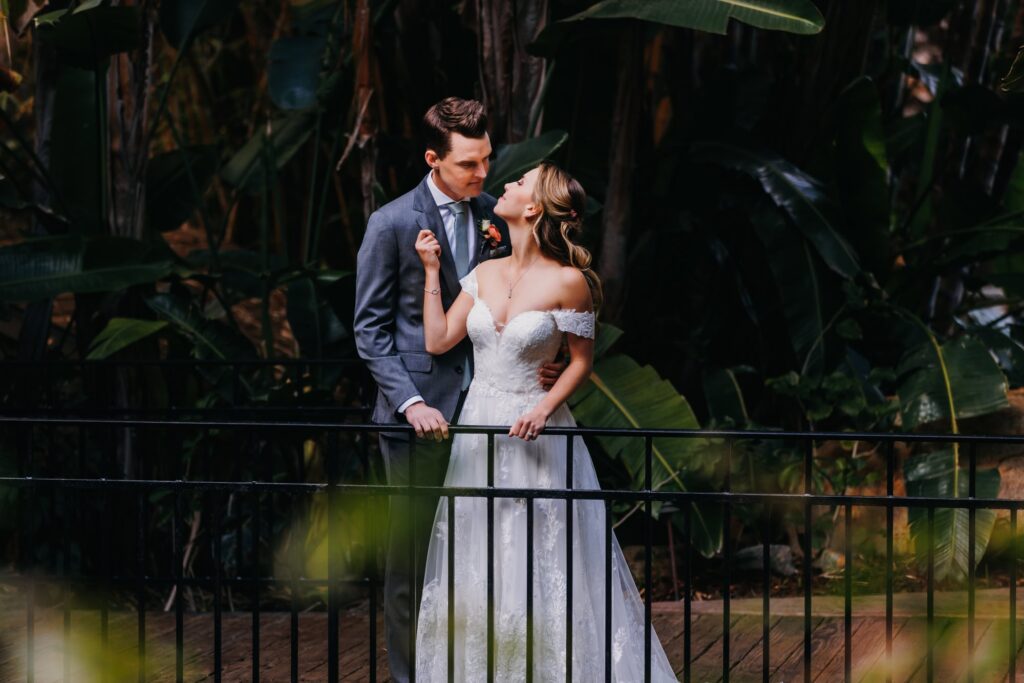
(826,638)
(706,666)
(747,663)
(744,633)
(869,654)
(953,653)
(705,636)
(785,636)
(910,649)
(835,668)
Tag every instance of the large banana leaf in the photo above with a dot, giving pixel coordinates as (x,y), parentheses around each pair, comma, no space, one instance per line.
(800,287)
(287,135)
(932,475)
(211,339)
(313,321)
(622,394)
(724,397)
(121,333)
(796,192)
(44,267)
(792,16)
(960,372)
(1008,351)
(515,159)
(1013,81)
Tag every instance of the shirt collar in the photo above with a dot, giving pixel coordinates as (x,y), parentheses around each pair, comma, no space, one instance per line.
(440,198)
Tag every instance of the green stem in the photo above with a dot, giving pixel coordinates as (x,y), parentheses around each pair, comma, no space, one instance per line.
(948,385)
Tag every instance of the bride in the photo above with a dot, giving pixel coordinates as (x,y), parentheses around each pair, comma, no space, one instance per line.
(516,324)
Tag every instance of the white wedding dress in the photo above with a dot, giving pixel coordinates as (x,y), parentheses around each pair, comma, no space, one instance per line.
(504,387)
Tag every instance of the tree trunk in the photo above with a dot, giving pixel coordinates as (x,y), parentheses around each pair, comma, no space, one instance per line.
(618,204)
(129,85)
(511,80)
(366,120)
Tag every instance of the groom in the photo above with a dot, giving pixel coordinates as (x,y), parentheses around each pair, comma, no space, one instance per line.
(414,387)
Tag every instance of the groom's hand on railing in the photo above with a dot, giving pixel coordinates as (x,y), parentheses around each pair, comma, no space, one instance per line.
(427,421)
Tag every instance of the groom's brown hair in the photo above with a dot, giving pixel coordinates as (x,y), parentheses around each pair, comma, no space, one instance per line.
(453,115)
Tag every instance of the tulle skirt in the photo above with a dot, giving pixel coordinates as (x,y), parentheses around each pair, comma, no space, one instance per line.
(540,464)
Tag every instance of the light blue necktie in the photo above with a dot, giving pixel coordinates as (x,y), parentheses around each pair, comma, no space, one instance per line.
(461,238)
(461,262)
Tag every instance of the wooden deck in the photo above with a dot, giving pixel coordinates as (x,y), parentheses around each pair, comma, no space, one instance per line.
(746,646)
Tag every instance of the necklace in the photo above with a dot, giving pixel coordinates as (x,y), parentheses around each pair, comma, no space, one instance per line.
(513,284)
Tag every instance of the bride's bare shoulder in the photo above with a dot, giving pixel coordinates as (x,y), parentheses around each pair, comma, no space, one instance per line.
(575,289)
(487,266)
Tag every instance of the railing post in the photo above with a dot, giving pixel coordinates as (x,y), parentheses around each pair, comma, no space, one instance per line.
(971,532)
(648,513)
(570,510)
(889,485)
(808,549)
(333,549)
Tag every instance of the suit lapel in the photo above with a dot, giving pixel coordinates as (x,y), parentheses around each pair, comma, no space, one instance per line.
(479,214)
(429,218)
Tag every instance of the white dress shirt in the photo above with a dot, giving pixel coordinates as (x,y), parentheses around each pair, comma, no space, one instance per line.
(448,217)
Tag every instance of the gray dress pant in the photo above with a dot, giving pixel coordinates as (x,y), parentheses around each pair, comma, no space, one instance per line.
(409,528)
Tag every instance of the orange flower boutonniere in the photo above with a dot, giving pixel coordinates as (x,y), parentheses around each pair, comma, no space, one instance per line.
(490,232)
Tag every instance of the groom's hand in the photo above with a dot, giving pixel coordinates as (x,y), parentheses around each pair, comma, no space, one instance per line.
(550,372)
(427,421)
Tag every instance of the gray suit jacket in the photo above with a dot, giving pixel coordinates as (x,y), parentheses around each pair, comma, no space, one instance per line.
(389,304)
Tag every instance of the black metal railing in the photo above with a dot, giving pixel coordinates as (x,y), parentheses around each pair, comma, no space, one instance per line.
(68,496)
(170,387)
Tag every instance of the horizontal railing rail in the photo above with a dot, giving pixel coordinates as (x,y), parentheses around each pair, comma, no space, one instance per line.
(247,504)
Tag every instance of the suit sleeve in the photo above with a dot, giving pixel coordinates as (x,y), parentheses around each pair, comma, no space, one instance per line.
(376,297)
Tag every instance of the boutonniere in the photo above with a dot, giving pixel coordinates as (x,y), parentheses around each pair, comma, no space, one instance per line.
(490,240)
(489,232)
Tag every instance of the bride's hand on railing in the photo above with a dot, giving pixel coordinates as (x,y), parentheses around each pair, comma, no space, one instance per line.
(429,249)
(529,426)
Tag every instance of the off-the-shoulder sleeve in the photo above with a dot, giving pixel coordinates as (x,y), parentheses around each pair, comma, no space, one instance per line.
(580,323)
(469,283)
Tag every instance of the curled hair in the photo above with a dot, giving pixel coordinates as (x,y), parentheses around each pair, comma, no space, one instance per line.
(453,115)
(562,202)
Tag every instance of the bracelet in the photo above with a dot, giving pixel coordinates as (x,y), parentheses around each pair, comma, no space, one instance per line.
(436,290)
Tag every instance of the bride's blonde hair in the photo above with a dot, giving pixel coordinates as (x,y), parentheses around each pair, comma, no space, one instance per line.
(562,202)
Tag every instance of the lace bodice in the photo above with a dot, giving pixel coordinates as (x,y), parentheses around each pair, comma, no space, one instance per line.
(507,360)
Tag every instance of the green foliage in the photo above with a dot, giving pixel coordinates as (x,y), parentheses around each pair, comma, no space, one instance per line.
(47,266)
(796,192)
(621,393)
(121,333)
(283,136)
(182,20)
(960,373)
(514,159)
(293,73)
(935,475)
(794,16)
(211,339)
